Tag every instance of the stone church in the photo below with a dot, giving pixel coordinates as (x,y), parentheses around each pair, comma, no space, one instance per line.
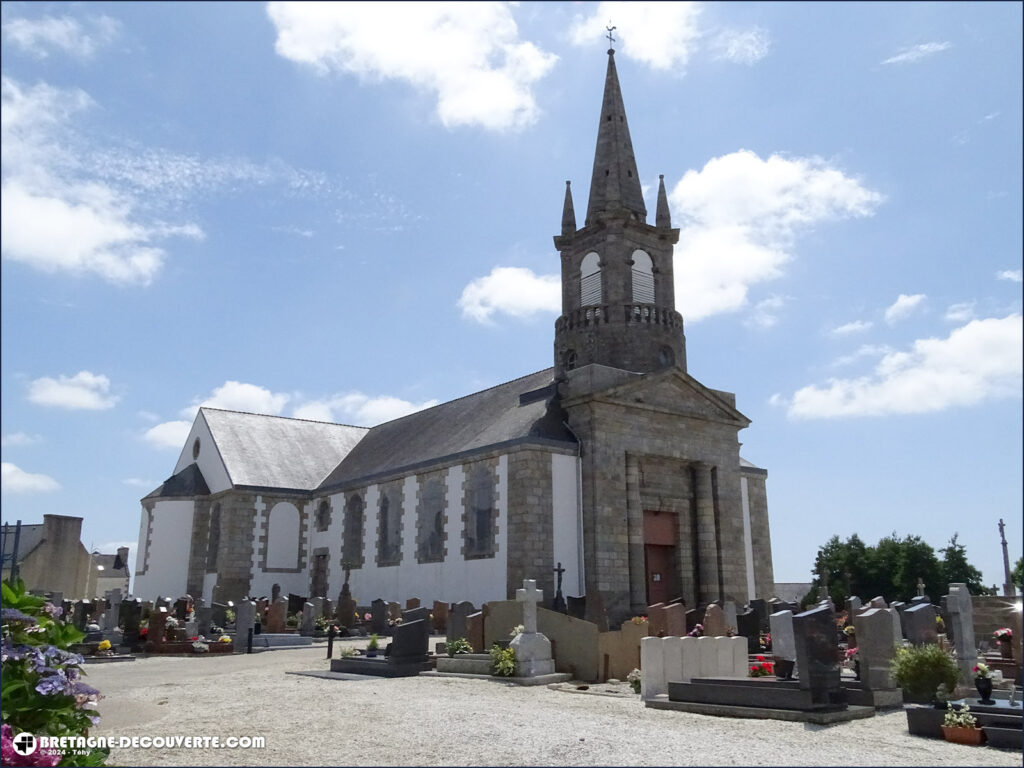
(615,463)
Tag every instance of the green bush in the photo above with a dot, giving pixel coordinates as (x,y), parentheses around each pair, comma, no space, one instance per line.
(458,645)
(920,670)
(503,661)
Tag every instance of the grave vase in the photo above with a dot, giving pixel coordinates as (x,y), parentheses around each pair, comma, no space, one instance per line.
(958,735)
(984,686)
(1006,649)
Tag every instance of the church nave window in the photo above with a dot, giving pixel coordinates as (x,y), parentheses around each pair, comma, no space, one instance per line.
(430,522)
(323,516)
(389,536)
(352,537)
(480,513)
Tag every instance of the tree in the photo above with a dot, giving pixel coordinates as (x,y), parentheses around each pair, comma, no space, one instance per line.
(956,569)
(1017,574)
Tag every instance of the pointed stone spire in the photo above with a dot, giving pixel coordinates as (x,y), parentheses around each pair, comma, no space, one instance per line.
(615,183)
(568,213)
(662,218)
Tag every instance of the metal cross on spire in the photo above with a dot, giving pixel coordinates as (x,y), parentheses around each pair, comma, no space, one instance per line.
(611,38)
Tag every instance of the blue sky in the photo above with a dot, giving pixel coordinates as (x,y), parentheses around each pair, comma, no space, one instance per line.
(345,213)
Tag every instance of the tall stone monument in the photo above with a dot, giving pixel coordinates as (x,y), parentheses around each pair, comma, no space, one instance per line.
(533,650)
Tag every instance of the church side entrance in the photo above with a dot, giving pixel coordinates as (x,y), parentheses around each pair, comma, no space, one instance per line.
(660,556)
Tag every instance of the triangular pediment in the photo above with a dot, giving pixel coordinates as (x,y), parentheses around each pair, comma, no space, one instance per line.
(674,392)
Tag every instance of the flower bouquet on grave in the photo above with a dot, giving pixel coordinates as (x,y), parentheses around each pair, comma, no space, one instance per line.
(372,646)
(199,646)
(104,648)
(983,682)
(697,631)
(764,641)
(961,727)
(518,629)
(1003,634)
(639,619)
(634,678)
(762,668)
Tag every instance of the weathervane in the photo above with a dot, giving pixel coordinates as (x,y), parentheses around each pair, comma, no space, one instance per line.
(611,39)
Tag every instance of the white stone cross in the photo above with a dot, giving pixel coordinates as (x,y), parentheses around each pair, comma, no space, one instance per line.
(529,596)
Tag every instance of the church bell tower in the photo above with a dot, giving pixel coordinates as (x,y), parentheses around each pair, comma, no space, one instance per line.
(618,297)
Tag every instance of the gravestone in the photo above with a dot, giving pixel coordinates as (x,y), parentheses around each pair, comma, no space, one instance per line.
(901,609)
(416,614)
(157,626)
(877,602)
(440,617)
(475,631)
(729,609)
(693,617)
(378,617)
(576,606)
(111,615)
(817,654)
(410,642)
(275,593)
(747,625)
(81,616)
(245,619)
(876,647)
(277,615)
(714,621)
(533,649)
(675,620)
(783,644)
(920,623)
(204,618)
(853,607)
(558,601)
(961,615)
(656,620)
(412,602)
(760,607)
(346,611)
(67,610)
(328,608)
(131,610)
(181,607)
(457,618)
(308,615)
(295,603)
(318,607)
(219,613)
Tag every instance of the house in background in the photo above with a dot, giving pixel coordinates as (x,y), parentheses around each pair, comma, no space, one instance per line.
(51,558)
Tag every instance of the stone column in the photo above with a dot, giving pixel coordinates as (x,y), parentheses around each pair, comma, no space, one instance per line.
(635,532)
(707,541)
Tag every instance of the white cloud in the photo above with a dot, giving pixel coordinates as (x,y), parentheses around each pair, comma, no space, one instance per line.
(57,218)
(13,479)
(864,350)
(19,439)
(960,313)
(855,326)
(741,215)
(170,434)
(239,396)
(64,33)
(917,52)
(1013,275)
(978,361)
(469,55)
(765,312)
(359,409)
(661,35)
(137,482)
(903,307)
(742,47)
(83,391)
(514,291)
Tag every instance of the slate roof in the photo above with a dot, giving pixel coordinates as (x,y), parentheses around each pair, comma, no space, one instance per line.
(516,411)
(110,563)
(31,537)
(188,482)
(276,452)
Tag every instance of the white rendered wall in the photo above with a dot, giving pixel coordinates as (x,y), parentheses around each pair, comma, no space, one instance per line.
(167,572)
(566,534)
(209,461)
(455,579)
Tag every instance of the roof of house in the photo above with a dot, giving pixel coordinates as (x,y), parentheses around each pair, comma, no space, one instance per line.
(109,562)
(31,536)
(188,482)
(277,452)
(516,411)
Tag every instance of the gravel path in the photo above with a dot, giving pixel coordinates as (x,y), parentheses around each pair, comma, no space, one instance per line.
(454,721)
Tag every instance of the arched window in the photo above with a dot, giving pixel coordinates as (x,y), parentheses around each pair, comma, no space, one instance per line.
(480,514)
(389,542)
(590,280)
(213,543)
(643,278)
(430,523)
(570,359)
(323,516)
(352,537)
(283,536)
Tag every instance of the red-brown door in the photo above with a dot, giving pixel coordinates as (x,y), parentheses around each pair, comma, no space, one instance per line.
(660,556)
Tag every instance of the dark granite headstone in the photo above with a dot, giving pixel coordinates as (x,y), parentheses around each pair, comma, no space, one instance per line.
(760,607)
(440,617)
(748,625)
(416,614)
(295,603)
(919,621)
(577,606)
(275,592)
(378,617)
(410,641)
(692,619)
(131,615)
(157,626)
(81,615)
(412,602)
(817,653)
(457,621)
(181,607)
(346,611)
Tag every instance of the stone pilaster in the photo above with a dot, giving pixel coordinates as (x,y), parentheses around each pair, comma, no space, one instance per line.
(707,541)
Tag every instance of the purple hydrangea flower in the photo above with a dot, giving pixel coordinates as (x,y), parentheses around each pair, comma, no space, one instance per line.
(51,685)
(13,614)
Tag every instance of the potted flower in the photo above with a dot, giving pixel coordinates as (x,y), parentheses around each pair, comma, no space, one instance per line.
(961,727)
(983,682)
(1004,636)
(634,678)
(372,646)
(104,649)
(849,632)
(850,656)
(762,668)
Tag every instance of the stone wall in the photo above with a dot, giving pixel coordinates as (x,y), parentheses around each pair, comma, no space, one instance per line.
(761,539)
(530,550)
